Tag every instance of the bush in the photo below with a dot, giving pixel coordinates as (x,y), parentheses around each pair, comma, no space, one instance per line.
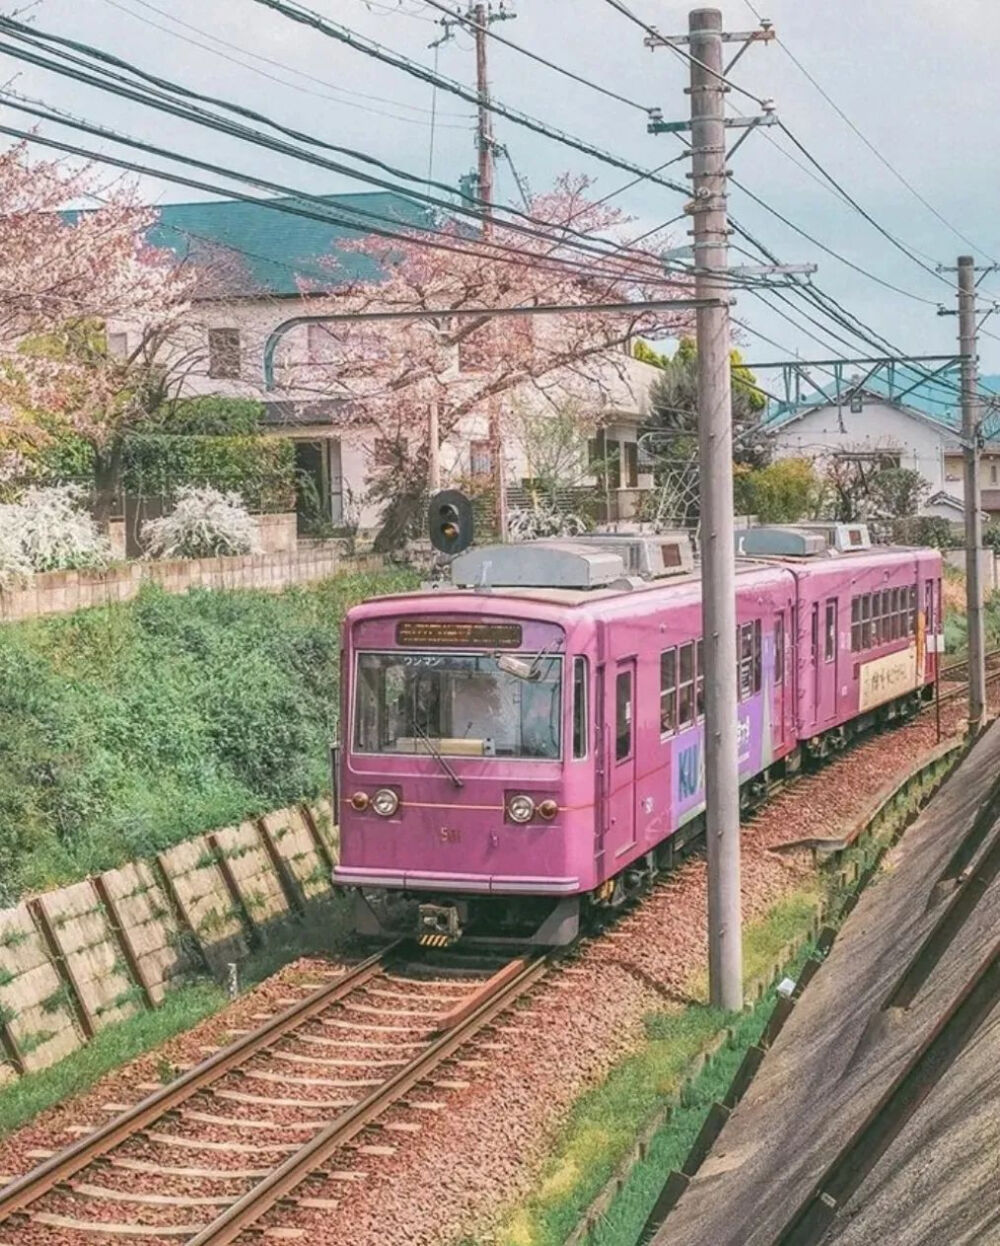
(204,524)
(211,415)
(45,530)
(131,727)
(928,530)
(261,469)
(533,523)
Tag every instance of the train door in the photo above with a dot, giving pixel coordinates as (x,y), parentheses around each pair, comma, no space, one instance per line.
(827,662)
(621,763)
(780,706)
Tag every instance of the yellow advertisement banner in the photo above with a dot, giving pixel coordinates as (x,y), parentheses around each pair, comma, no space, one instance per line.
(888,677)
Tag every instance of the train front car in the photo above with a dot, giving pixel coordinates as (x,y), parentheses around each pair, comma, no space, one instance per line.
(459,796)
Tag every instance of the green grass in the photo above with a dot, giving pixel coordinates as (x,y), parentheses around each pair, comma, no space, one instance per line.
(605,1121)
(130,727)
(33,1093)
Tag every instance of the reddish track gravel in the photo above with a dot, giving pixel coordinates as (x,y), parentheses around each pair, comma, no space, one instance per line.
(446,1183)
(471,1139)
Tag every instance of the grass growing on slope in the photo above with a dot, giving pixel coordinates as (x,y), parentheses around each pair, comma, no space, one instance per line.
(33,1093)
(604,1123)
(130,727)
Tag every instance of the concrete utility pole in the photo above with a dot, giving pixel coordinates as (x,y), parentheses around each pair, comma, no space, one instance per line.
(969,347)
(715,466)
(480,19)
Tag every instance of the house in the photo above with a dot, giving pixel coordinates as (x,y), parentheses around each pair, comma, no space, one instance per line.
(894,423)
(260,259)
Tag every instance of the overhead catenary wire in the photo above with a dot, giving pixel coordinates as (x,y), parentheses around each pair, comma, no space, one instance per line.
(625,11)
(872,147)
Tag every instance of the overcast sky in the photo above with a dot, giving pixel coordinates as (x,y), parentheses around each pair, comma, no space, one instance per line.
(919,78)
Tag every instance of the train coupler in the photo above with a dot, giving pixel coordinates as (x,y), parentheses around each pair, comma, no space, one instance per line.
(438,925)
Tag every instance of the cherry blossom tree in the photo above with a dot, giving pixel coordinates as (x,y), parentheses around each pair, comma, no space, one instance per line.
(65,276)
(389,373)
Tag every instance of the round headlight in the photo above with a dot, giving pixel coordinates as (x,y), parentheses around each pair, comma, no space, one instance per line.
(548,808)
(359,801)
(385,802)
(521,808)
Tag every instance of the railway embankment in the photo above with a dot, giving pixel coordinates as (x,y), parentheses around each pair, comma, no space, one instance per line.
(871,1116)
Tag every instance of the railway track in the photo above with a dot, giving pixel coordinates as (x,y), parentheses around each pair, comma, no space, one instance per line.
(229,1145)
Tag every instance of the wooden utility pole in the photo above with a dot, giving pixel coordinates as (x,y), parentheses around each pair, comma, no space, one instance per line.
(480,18)
(969,347)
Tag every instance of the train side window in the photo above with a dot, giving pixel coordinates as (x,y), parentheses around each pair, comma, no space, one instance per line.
(699,682)
(579,707)
(744,638)
(779,648)
(886,615)
(756,655)
(623,715)
(685,690)
(814,632)
(894,613)
(830,631)
(668,692)
(866,621)
(913,610)
(876,618)
(855,624)
(929,605)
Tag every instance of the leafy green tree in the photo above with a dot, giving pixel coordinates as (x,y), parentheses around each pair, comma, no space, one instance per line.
(782,492)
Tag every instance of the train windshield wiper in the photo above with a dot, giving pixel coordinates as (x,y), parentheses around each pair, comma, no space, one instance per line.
(437,755)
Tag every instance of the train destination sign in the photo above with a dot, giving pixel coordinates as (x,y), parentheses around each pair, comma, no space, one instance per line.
(443,633)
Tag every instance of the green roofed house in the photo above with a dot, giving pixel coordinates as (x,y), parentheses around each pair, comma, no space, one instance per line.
(265,263)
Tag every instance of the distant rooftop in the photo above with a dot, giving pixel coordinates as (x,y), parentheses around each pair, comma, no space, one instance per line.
(275,247)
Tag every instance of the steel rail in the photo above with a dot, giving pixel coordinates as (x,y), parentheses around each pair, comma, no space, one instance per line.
(19,1194)
(497,994)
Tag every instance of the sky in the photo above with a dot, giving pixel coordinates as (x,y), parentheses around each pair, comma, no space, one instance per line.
(918,78)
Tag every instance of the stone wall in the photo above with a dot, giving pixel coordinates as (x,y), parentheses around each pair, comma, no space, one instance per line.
(74,960)
(61,592)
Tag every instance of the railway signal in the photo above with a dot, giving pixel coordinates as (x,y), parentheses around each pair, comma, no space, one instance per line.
(450,521)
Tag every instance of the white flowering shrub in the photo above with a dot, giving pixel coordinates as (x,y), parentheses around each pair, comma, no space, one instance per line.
(46,530)
(204,524)
(533,523)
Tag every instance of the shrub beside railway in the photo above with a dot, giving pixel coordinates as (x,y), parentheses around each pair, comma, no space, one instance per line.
(129,728)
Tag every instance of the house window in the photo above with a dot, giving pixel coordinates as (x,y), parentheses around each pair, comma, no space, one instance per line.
(480,458)
(668,692)
(579,707)
(630,464)
(685,696)
(623,715)
(224,354)
(993,473)
(613,464)
(118,345)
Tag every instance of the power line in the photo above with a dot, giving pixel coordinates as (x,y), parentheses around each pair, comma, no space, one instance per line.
(472,24)
(267,60)
(625,11)
(161,100)
(298,13)
(876,151)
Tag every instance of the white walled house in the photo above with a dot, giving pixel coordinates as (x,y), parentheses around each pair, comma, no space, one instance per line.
(890,433)
(264,254)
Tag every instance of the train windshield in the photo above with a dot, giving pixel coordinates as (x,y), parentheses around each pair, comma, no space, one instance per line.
(462,705)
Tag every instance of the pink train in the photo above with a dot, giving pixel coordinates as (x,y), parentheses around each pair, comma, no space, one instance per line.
(529,743)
